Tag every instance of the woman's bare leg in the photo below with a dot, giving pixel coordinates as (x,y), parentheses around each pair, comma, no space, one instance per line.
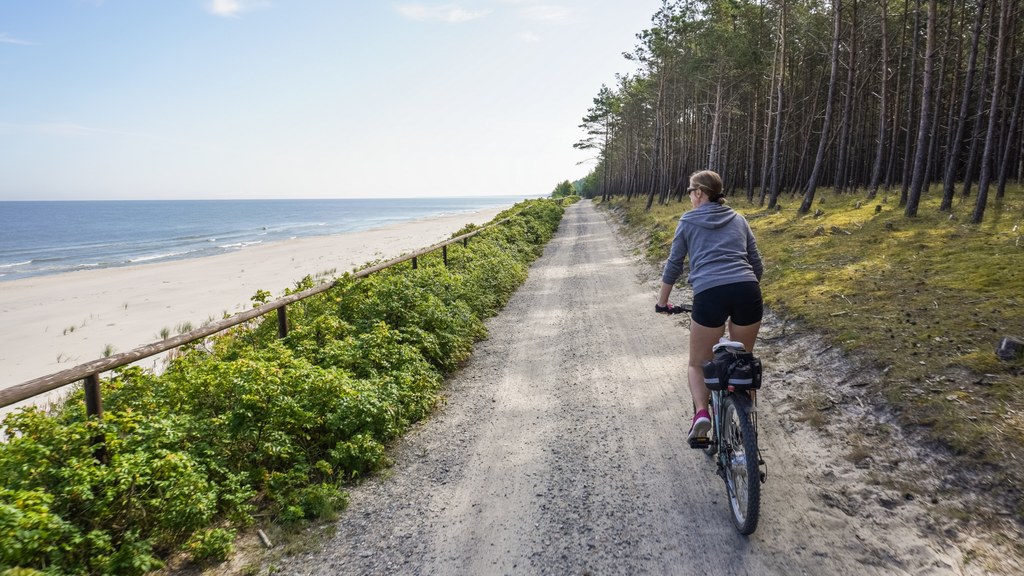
(702,338)
(747,335)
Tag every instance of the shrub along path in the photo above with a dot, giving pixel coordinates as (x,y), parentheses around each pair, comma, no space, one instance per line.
(561,449)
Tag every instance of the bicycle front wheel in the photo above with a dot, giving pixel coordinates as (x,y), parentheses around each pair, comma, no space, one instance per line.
(742,476)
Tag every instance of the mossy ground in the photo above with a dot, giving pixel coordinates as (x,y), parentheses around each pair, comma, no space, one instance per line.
(924,299)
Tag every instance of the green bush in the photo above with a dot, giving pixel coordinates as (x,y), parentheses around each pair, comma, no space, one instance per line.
(63,506)
(246,421)
(213,544)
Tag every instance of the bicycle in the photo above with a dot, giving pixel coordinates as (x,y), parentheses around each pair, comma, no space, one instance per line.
(733,376)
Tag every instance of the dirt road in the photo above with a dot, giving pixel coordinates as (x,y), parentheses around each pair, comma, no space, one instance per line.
(561,450)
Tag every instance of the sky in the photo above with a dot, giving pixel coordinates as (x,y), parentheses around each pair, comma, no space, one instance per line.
(136,99)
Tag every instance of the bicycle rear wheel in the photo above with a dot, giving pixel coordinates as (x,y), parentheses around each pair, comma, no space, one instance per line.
(742,476)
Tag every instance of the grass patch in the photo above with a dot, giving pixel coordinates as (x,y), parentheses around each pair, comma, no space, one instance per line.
(925,298)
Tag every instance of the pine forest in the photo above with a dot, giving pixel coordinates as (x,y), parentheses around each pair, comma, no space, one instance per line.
(795,97)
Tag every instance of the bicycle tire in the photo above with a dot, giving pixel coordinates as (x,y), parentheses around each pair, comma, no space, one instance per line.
(740,460)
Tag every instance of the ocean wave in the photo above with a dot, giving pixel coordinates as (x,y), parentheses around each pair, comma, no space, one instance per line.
(13,264)
(240,244)
(45,260)
(150,257)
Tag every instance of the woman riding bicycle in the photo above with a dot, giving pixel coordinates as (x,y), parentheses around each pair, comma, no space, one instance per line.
(725,270)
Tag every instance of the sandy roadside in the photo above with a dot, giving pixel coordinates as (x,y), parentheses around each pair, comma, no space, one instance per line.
(52,323)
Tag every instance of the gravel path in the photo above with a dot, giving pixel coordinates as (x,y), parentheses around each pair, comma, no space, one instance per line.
(561,449)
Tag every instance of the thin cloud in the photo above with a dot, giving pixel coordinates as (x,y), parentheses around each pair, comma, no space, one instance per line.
(540,11)
(8,39)
(225,8)
(442,13)
(547,13)
(233,8)
(528,37)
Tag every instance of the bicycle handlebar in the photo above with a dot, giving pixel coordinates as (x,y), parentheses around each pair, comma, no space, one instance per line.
(672,309)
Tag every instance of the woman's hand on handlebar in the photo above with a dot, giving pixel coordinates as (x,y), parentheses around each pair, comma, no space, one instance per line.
(671,309)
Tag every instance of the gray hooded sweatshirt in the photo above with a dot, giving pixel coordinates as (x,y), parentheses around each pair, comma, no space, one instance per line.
(721,247)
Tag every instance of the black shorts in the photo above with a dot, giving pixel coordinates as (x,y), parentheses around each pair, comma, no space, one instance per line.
(740,301)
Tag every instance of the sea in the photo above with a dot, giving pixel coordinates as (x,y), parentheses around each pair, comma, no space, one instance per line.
(53,237)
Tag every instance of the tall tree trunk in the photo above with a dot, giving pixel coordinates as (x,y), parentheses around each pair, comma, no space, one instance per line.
(876,169)
(908,135)
(953,159)
(812,182)
(979,113)
(632,176)
(897,118)
(953,106)
(1006,8)
(776,171)
(659,111)
(732,174)
(769,115)
(606,161)
(844,126)
(939,83)
(1004,163)
(777,139)
(714,150)
(755,108)
(798,173)
(927,92)
(672,152)
(752,143)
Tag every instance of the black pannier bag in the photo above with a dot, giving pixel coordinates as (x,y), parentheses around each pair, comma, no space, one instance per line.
(732,366)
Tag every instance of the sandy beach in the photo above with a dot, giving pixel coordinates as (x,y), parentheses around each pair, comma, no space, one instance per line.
(52,323)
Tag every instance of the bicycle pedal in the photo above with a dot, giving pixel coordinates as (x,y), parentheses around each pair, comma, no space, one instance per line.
(700,442)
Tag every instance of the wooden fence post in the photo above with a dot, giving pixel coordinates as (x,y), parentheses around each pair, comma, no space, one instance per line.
(282,322)
(94,408)
(93,401)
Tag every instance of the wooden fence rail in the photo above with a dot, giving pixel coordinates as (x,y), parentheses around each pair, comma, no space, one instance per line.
(90,371)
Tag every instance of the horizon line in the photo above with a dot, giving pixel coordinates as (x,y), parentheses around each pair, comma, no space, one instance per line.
(273,199)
